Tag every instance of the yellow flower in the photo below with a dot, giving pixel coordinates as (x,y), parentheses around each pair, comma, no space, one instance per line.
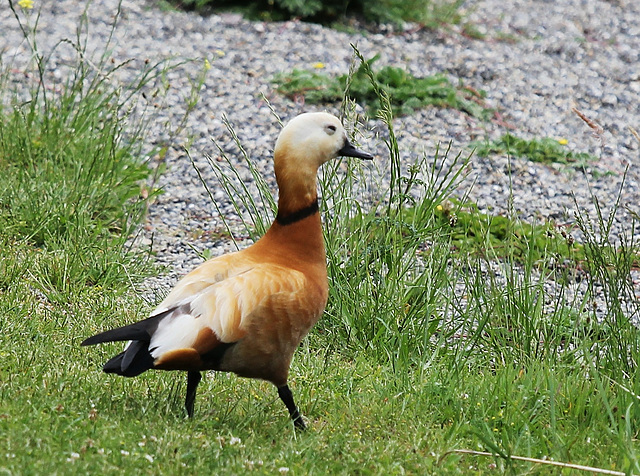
(220,53)
(318,65)
(563,141)
(207,65)
(26,4)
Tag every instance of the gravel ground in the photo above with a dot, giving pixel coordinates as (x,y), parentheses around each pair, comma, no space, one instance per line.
(539,59)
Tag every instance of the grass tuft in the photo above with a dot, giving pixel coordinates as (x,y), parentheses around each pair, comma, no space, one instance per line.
(406,92)
(544,150)
(73,177)
(496,237)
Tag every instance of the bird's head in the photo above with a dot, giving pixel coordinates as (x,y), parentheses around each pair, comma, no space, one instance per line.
(311,139)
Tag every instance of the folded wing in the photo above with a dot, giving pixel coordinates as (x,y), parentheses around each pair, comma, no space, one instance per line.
(200,319)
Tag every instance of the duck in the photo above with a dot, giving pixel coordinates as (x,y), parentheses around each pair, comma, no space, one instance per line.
(247,311)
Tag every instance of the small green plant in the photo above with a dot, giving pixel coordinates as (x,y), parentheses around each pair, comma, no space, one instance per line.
(430,13)
(610,267)
(544,150)
(314,87)
(496,236)
(405,91)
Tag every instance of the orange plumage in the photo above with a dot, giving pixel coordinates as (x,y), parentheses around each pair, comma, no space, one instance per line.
(246,312)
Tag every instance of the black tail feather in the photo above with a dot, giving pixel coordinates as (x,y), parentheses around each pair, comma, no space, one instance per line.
(132,362)
(136,358)
(114,365)
(141,331)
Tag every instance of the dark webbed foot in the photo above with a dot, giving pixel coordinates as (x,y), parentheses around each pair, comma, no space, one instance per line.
(193,379)
(285,395)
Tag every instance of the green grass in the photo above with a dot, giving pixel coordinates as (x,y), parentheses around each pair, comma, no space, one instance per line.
(544,150)
(406,92)
(71,191)
(424,349)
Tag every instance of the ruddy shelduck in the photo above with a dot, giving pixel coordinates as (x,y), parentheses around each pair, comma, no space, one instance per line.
(246,312)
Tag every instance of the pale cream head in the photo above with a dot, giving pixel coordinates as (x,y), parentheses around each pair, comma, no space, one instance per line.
(311,139)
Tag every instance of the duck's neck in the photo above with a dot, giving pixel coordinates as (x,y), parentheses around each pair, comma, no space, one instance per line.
(298,196)
(297,229)
(296,239)
(299,219)
(289,217)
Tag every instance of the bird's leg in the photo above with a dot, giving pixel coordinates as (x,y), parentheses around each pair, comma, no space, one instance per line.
(193,379)
(285,395)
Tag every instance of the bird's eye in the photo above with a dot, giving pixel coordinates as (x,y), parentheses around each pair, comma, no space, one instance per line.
(330,129)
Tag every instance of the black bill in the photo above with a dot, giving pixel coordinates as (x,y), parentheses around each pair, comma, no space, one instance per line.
(350,151)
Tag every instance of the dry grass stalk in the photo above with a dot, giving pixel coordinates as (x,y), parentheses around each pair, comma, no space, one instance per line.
(597,129)
(537,461)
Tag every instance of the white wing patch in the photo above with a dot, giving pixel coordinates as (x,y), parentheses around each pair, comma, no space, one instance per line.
(175,331)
